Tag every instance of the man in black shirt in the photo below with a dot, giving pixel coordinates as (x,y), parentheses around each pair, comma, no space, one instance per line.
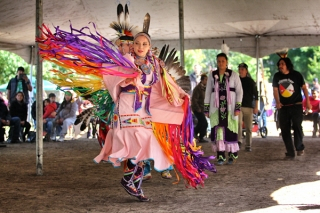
(287,85)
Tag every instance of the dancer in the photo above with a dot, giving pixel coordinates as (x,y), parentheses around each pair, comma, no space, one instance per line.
(124,42)
(145,98)
(223,102)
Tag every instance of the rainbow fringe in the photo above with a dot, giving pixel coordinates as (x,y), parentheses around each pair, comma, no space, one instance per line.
(177,142)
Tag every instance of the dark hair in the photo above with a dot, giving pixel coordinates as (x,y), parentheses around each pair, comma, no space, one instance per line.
(22,95)
(244,65)
(203,76)
(46,100)
(222,55)
(51,95)
(288,63)
(20,69)
(65,102)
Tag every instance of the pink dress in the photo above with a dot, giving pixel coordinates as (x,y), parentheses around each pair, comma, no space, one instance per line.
(131,135)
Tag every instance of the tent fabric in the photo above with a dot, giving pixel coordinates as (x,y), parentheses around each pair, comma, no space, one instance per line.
(242,24)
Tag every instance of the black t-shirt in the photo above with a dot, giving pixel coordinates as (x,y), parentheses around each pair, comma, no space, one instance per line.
(250,92)
(289,87)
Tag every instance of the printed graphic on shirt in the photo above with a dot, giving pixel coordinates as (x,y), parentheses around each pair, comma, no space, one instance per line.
(286,88)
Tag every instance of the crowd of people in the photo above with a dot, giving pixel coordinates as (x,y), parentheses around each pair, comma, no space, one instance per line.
(57,118)
(237,100)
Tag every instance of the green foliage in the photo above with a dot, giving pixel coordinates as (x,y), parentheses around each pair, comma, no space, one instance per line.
(191,58)
(305,60)
(207,60)
(9,62)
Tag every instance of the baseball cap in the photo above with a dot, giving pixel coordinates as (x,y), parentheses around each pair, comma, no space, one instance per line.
(243,65)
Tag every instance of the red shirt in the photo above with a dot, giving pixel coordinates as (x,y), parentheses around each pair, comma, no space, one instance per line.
(315,103)
(49,109)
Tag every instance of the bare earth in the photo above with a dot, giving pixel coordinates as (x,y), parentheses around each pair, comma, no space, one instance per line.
(260,181)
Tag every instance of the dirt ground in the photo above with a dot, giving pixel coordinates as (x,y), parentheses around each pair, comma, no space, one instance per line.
(260,181)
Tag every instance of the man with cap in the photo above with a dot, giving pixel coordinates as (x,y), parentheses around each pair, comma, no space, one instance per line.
(250,94)
(20,83)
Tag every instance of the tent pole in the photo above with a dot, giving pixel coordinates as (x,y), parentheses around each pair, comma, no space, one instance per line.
(39,138)
(181,32)
(257,67)
(30,77)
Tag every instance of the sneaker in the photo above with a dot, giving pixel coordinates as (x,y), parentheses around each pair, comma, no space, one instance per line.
(47,138)
(287,157)
(221,160)
(53,138)
(300,153)
(248,149)
(147,177)
(61,139)
(166,174)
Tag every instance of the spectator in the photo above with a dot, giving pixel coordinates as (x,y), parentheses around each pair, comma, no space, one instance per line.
(223,102)
(52,98)
(195,77)
(313,114)
(19,108)
(65,117)
(197,105)
(20,83)
(4,118)
(49,114)
(287,85)
(315,84)
(4,98)
(250,94)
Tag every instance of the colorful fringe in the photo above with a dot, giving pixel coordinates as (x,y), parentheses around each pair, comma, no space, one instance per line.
(177,142)
(84,53)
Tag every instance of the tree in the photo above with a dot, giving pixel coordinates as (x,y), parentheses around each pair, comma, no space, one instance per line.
(9,62)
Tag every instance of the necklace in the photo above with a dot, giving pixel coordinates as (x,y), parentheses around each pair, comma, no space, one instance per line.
(143,64)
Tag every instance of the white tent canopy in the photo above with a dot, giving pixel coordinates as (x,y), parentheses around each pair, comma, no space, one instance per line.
(277,24)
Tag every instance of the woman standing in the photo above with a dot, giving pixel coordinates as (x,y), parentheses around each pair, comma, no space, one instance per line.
(19,108)
(223,102)
(250,94)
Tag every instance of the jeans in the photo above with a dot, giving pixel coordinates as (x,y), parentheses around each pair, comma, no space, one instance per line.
(15,126)
(62,130)
(48,126)
(264,118)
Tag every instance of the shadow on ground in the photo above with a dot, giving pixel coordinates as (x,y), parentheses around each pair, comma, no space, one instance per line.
(260,181)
